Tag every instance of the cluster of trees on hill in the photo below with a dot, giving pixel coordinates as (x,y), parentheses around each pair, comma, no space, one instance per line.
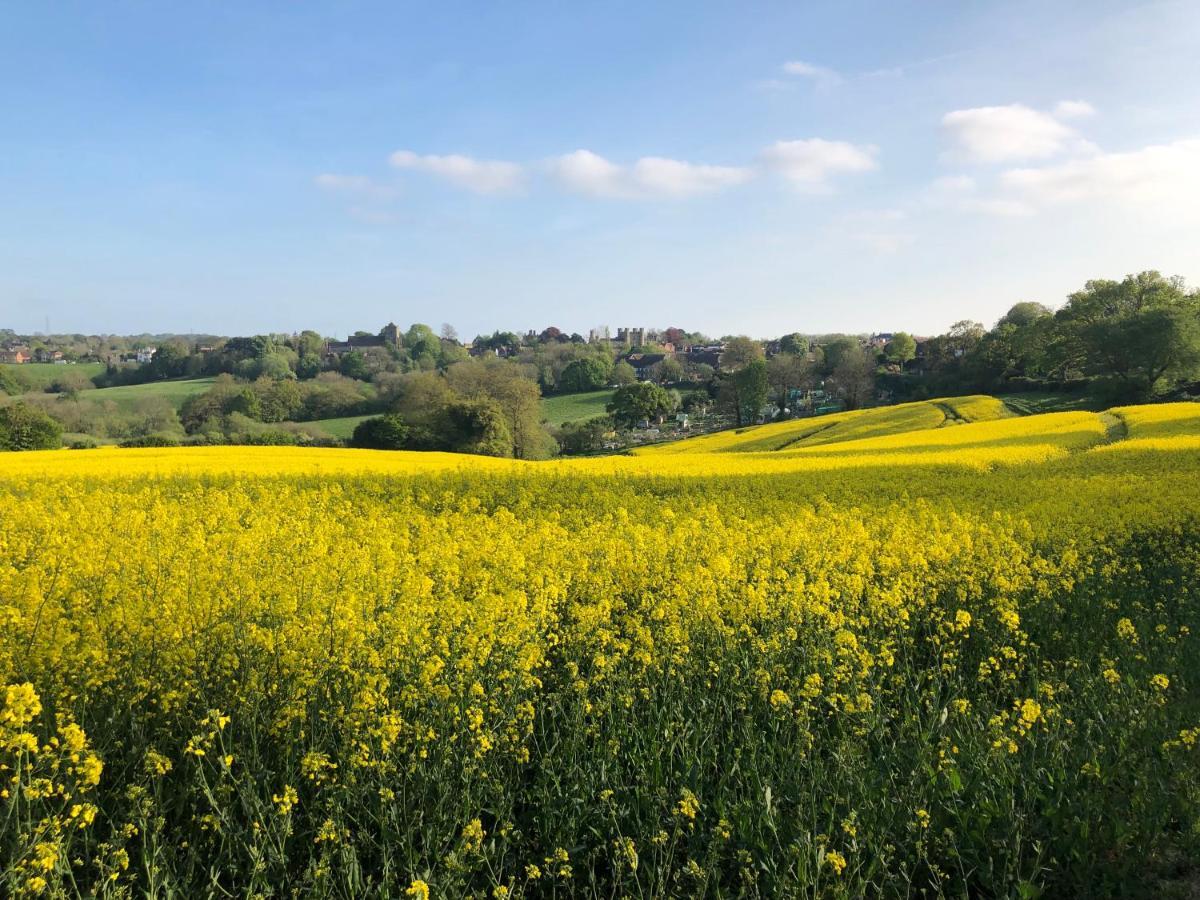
(1126,340)
(485,406)
(1132,339)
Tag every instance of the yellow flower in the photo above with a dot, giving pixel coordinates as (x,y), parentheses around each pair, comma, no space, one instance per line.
(1031,711)
(1162,682)
(472,835)
(835,861)
(418,889)
(688,805)
(286,801)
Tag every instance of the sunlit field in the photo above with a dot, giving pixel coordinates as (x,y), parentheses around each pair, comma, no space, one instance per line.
(928,650)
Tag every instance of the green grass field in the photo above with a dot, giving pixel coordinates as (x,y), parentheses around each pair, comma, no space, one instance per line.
(342,428)
(575,407)
(38,375)
(174,391)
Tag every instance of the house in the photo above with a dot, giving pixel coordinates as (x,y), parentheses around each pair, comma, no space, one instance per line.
(708,356)
(45,355)
(145,355)
(389,336)
(644,363)
(15,355)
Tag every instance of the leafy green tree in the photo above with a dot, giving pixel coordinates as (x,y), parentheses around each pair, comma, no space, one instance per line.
(901,349)
(23,427)
(740,351)
(669,371)
(623,373)
(279,401)
(479,426)
(794,343)
(588,374)
(1142,332)
(387,432)
(584,437)
(643,400)
(1025,313)
(744,392)
(354,365)
(834,351)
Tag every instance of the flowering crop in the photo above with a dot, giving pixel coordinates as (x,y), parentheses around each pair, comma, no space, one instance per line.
(953,660)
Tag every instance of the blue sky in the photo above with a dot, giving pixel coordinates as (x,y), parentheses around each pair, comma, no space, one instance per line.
(726,167)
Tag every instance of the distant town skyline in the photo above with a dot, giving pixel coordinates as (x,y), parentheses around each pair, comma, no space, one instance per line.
(818,167)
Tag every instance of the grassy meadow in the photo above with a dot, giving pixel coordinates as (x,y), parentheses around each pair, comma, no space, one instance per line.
(930,650)
(562,408)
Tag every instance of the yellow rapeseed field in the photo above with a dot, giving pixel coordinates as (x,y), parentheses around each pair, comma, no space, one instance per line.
(928,650)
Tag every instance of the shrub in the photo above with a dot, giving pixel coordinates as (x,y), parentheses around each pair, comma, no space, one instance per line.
(381,433)
(22,427)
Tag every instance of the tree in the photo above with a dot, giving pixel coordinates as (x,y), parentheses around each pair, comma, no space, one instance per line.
(354,365)
(1025,313)
(854,378)
(739,351)
(279,401)
(583,437)
(641,401)
(901,349)
(786,372)
(836,350)
(23,427)
(479,426)
(794,343)
(623,373)
(670,371)
(388,432)
(518,397)
(588,374)
(1140,332)
(744,392)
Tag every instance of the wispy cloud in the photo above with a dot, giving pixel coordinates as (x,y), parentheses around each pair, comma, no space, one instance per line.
(585,172)
(1012,133)
(821,75)
(810,164)
(483,176)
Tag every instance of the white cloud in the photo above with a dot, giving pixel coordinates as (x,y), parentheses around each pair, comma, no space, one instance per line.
(1165,176)
(483,176)
(824,77)
(809,164)
(585,172)
(1074,109)
(993,134)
